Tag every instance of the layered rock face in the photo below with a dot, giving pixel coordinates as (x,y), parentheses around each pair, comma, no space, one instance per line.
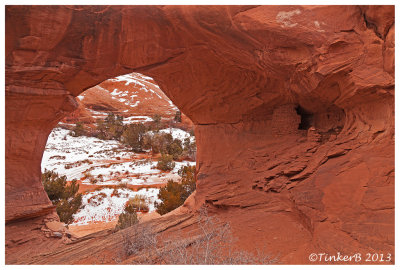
(293,109)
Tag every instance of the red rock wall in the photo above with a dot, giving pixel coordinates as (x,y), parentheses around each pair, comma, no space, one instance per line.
(230,70)
(285,120)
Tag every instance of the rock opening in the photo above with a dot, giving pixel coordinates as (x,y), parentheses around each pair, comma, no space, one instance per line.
(306,118)
(232,70)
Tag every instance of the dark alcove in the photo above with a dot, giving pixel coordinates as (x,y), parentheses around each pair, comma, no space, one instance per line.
(307,118)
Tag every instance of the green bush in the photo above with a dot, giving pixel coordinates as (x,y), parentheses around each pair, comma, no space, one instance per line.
(133,136)
(189,149)
(178,116)
(174,194)
(65,197)
(160,142)
(164,143)
(128,217)
(156,124)
(78,130)
(188,180)
(111,127)
(147,141)
(175,149)
(165,163)
(126,220)
(66,208)
(102,131)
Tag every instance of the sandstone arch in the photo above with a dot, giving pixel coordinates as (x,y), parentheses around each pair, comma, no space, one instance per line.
(238,72)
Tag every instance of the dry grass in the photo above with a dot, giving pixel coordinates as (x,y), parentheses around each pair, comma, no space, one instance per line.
(212,245)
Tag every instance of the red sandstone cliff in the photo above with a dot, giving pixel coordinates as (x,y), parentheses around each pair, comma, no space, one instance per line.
(248,77)
(127,95)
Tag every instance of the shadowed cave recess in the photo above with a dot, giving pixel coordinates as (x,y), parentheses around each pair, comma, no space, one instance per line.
(292,105)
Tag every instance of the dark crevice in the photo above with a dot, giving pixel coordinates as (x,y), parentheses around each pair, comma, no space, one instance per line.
(372,26)
(307,118)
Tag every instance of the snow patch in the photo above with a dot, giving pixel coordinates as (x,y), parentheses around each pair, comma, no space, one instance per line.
(105,205)
(137,119)
(135,104)
(176,133)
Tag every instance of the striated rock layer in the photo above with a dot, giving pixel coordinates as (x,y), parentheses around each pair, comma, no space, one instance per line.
(293,109)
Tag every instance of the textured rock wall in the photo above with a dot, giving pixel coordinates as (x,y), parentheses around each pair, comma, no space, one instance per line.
(231,70)
(285,120)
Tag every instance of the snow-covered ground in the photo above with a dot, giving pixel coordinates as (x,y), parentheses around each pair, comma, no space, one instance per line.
(71,156)
(105,162)
(140,172)
(137,119)
(106,204)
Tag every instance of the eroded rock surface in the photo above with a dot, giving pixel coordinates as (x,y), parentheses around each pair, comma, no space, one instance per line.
(293,110)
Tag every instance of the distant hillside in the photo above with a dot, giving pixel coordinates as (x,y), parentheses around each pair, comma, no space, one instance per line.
(133,96)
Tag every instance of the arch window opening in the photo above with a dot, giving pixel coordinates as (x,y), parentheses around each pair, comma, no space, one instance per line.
(123,143)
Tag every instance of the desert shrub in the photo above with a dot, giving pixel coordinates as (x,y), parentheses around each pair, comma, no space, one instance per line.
(133,136)
(188,180)
(160,141)
(93,180)
(136,204)
(174,194)
(78,130)
(164,143)
(85,161)
(189,149)
(111,127)
(143,238)
(64,196)
(117,127)
(170,197)
(147,140)
(127,218)
(114,125)
(156,124)
(101,129)
(211,243)
(175,149)
(58,157)
(178,116)
(165,162)
(66,208)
